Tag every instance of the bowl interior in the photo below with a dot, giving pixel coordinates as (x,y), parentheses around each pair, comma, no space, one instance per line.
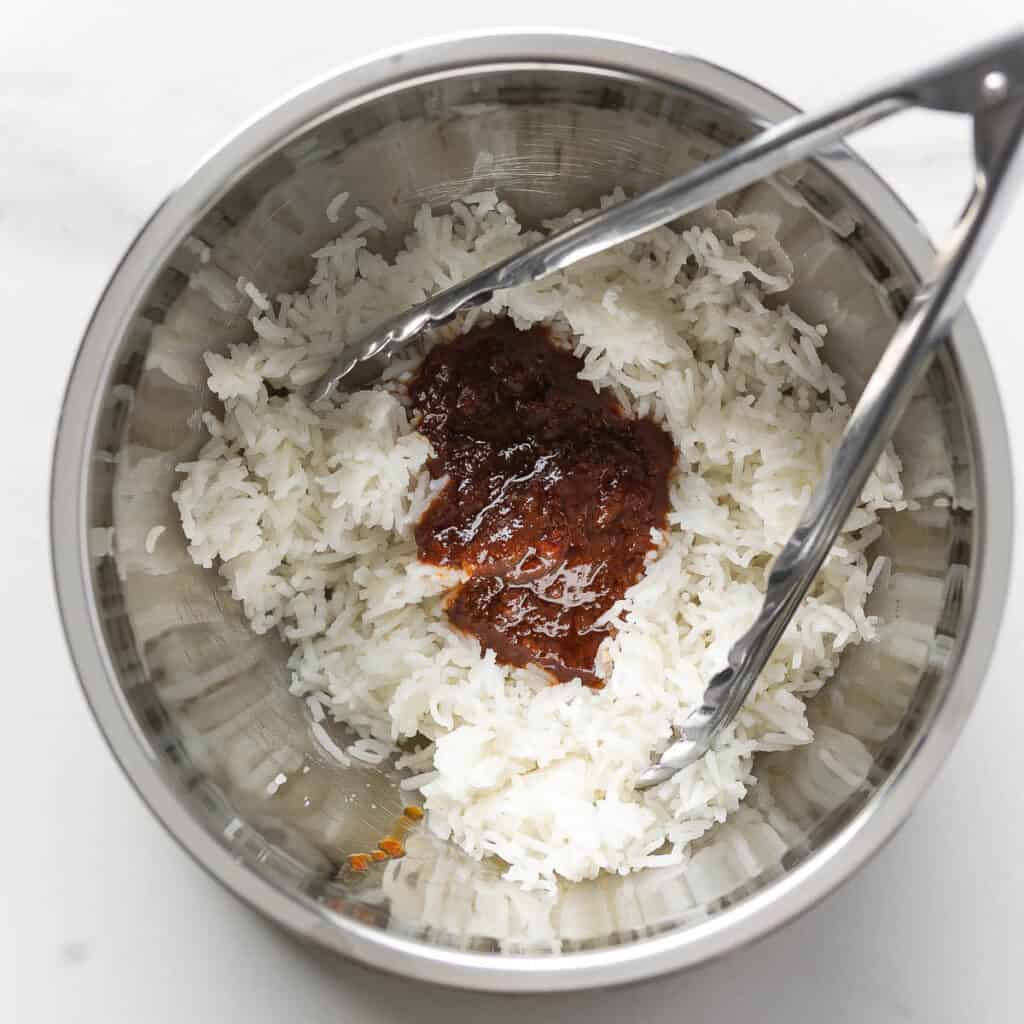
(209,700)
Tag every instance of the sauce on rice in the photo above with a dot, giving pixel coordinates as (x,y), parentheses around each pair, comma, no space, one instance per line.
(551,497)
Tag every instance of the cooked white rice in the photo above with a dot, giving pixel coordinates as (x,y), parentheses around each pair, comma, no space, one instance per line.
(308,513)
(152,536)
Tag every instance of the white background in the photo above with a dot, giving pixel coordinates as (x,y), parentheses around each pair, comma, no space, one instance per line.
(103,108)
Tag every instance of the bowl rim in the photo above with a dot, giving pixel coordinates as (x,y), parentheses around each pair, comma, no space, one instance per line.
(739,925)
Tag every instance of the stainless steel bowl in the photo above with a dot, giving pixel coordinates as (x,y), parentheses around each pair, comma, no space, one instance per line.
(196,709)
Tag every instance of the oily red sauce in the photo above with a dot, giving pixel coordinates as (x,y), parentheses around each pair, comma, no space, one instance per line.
(551,497)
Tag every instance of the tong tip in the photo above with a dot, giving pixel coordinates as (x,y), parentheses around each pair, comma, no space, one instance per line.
(679,755)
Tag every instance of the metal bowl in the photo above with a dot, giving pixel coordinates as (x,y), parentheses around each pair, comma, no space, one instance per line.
(196,708)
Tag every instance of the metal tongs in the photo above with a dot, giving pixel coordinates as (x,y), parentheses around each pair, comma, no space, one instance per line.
(987,84)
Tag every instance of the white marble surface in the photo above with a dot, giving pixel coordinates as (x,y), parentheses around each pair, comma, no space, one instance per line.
(103,107)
